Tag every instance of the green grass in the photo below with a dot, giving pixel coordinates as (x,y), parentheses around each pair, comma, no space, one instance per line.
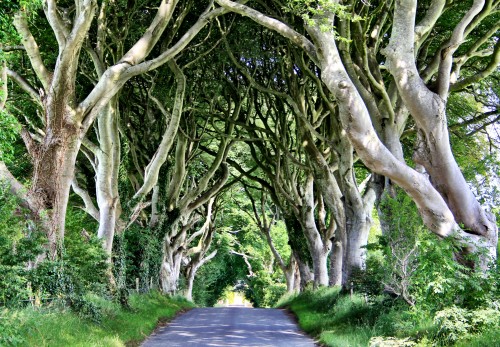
(334,319)
(118,327)
(339,320)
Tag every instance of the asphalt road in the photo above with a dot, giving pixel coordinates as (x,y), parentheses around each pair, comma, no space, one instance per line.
(230,326)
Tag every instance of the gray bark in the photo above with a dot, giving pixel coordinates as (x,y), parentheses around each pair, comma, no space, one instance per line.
(450,200)
(107,168)
(66,121)
(429,111)
(318,246)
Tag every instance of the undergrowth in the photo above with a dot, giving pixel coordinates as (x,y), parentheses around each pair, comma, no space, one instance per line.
(342,320)
(58,326)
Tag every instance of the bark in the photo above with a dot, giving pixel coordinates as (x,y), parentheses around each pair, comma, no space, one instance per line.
(197,254)
(291,275)
(452,201)
(337,260)
(53,173)
(66,121)
(318,246)
(170,272)
(358,207)
(173,253)
(429,111)
(300,250)
(191,273)
(107,170)
(306,276)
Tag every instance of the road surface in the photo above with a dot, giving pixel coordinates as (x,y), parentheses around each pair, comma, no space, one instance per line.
(230,326)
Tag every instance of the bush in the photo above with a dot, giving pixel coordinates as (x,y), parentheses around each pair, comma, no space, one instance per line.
(456,323)
(85,309)
(81,267)
(273,293)
(9,329)
(20,243)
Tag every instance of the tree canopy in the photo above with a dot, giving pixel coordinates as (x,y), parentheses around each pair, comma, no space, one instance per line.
(251,144)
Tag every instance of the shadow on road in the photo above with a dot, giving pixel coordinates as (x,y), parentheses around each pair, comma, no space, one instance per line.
(231,326)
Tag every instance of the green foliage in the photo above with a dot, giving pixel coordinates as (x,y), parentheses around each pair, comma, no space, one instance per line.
(315,13)
(343,320)
(56,326)
(10,324)
(81,268)
(335,319)
(238,232)
(20,243)
(9,132)
(263,290)
(143,254)
(312,10)
(85,308)
(413,264)
(224,270)
(456,323)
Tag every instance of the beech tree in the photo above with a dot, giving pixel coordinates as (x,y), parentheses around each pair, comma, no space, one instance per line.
(68,115)
(260,216)
(418,85)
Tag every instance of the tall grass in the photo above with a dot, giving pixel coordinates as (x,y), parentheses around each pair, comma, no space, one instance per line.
(56,327)
(334,319)
(340,320)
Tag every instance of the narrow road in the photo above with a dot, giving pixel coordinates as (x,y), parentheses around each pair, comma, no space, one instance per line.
(230,326)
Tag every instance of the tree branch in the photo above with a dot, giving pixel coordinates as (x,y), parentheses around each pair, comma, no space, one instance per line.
(32,49)
(490,68)
(60,30)
(213,190)
(141,49)
(160,156)
(444,71)
(24,84)
(273,24)
(170,53)
(15,187)
(87,200)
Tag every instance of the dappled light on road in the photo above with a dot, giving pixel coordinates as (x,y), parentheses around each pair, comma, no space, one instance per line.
(231,326)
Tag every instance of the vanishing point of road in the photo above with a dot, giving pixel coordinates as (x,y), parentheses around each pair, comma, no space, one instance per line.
(230,326)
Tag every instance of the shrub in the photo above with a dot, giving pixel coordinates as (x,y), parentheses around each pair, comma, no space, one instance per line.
(456,323)
(84,308)
(9,329)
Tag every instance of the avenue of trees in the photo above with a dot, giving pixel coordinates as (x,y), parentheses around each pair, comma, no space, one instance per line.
(195,145)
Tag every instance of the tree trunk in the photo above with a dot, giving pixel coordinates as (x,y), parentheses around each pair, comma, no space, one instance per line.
(305,274)
(357,238)
(336,261)
(190,273)
(54,162)
(107,168)
(320,267)
(170,271)
(290,272)
(318,247)
(193,269)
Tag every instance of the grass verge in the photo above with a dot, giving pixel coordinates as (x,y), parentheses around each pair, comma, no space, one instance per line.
(117,327)
(339,320)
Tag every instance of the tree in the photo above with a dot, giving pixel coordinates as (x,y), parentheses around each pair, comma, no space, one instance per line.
(444,201)
(67,114)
